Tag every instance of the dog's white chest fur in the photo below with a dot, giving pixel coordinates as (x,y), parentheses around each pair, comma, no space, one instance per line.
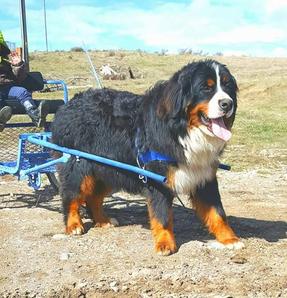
(201,152)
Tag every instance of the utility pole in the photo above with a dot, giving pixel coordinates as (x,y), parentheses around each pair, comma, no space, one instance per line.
(45,21)
(24,32)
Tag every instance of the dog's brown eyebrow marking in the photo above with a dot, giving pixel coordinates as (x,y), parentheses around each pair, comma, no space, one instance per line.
(210,83)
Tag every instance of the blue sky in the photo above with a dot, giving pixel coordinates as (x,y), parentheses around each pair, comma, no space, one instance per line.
(233,27)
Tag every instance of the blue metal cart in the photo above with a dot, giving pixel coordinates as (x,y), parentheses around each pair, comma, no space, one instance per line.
(17,154)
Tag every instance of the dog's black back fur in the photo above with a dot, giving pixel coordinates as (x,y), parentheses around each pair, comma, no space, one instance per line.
(101,122)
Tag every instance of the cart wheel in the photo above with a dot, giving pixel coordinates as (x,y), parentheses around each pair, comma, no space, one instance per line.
(53,179)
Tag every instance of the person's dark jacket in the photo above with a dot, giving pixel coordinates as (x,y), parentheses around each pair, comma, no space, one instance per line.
(11,74)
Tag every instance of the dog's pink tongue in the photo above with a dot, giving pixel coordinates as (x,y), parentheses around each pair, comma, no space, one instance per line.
(220,130)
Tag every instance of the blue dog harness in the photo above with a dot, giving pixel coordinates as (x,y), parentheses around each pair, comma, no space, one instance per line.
(144,158)
(149,156)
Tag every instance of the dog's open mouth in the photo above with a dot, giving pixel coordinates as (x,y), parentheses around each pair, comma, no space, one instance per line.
(216,126)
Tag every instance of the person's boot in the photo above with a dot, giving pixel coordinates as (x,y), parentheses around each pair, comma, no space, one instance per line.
(5,116)
(38,115)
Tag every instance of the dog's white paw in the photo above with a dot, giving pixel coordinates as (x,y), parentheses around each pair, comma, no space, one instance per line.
(218,245)
(114,222)
(110,222)
(77,231)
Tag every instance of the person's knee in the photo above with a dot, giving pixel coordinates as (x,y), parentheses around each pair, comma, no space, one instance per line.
(25,94)
(20,93)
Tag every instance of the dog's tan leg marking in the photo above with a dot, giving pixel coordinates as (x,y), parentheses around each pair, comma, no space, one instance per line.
(164,237)
(74,223)
(218,226)
(96,206)
(95,193)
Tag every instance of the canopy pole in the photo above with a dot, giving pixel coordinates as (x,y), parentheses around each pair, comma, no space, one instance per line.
(24,33)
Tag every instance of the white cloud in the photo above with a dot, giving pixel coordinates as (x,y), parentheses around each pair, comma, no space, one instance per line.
(198,25)
(279,52)
(272,6)
(67,27)
(195,25)
(249,34)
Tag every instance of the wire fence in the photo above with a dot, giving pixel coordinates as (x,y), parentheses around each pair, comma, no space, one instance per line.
(9,139)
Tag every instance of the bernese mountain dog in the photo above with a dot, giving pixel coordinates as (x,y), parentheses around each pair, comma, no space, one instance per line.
(187,118)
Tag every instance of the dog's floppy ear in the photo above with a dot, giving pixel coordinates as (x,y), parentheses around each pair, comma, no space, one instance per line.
(184,89)
(233,93)
(179,95)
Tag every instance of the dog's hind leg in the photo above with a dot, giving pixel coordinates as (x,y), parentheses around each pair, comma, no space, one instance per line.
(208,206)
(161,222)
(72,217)
(70,181)
(97,191)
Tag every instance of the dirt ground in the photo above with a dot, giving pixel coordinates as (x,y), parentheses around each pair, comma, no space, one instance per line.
(38,260)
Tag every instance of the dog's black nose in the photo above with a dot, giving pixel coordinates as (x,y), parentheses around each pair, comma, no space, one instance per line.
(225,104)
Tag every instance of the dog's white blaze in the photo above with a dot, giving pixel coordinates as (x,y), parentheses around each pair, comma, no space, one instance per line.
(201,152)
(214,110)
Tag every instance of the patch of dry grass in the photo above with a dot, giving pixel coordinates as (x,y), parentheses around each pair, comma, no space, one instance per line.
(259,134)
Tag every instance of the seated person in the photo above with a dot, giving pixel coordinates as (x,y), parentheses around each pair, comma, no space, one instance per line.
(12,74)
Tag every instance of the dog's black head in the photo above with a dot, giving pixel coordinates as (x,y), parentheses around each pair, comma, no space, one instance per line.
(202,94)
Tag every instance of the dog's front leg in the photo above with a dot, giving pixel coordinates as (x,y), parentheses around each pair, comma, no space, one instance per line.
(161,220)
(208,206)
